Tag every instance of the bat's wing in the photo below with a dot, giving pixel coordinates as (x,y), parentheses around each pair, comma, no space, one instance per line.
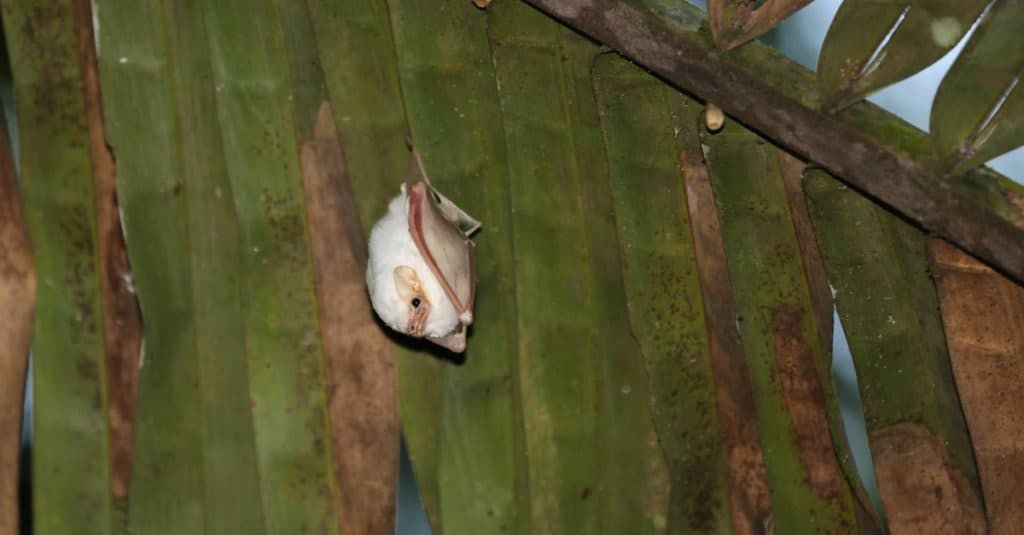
(466,224)
(455,342)
(440,230)
(416,173)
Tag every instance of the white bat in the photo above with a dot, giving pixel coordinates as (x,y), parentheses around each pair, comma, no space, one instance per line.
(420,273)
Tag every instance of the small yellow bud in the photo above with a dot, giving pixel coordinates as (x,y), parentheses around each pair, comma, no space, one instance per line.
(714,118)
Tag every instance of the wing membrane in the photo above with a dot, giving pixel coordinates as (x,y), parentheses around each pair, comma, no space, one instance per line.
(440,229)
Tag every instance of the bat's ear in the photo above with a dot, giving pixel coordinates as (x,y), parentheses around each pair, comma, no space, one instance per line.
(455,342)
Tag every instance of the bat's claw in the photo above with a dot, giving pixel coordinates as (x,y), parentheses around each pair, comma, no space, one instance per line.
(466,318)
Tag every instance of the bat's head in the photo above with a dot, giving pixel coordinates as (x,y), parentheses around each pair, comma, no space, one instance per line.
(409,301)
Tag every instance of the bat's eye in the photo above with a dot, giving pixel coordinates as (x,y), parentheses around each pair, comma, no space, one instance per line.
(415,302)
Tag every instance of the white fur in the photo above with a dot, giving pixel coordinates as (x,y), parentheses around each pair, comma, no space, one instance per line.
(391,246)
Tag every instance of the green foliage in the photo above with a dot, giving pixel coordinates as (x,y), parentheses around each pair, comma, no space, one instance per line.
(71,465)
(660,272)
(193,405)
(885,296)
(605,387)
(873,44)
(780,332)
(978,112)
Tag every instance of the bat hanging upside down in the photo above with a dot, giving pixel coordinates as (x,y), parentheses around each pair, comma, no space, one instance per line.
(420,272)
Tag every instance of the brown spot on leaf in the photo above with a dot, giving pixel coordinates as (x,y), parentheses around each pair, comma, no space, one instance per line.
(87,369)
(748,481)
(1017,200)
(17,300)
(122,321)
(983,315)
(361,371)
(804,397)
(814,268)
(922,490)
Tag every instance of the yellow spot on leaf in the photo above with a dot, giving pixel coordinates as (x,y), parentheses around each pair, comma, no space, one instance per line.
(946,31)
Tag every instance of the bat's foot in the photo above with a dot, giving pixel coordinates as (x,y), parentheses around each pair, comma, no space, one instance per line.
(466,318)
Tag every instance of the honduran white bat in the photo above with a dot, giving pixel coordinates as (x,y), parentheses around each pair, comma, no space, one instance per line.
(421,273)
